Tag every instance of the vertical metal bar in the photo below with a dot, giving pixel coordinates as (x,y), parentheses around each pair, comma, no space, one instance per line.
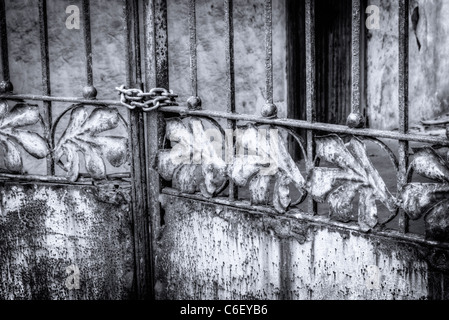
(137,52)
(193,48)
(403,101)
(268,51)
(355,60)
(133,56)
(87,41)
(310,88)
(156,75)
(127,23)
(139,192)
(4,43)
(46,89)
(230,78)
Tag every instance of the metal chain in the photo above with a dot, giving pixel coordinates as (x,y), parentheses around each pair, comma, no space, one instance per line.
(148,101)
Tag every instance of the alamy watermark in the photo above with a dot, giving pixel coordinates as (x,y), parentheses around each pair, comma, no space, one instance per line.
(373,20)
(73,20)
(72,282)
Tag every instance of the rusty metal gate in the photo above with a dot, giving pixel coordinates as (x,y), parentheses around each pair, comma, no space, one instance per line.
(186,157)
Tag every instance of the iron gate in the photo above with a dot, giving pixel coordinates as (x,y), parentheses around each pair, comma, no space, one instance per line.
(215,175)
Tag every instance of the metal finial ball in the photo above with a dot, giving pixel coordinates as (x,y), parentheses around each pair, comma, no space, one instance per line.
(194,103)
(6,86)
(269,110)
(89,92)
(355,121)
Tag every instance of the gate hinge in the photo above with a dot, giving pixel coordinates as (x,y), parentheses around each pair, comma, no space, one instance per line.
(148,101)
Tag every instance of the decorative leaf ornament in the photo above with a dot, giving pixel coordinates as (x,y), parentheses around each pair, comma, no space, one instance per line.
(354,176)
(82,135)
(12,135)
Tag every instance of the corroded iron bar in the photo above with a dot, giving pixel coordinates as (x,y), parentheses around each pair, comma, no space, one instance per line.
(59,180)
(156,76)
(355,56)
(268,12)
(193,48)
(139,191)
(33,97)
(403,101)
(246,117)
(230,78)
(87,41)
(315,126)
(4,43)
(46,86)
(132,54)
(310,88)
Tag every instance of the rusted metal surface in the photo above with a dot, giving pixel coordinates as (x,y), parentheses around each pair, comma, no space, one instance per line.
(355,175)
(193,48)
(312,126)
(139,191)
(94,205)
(205,171)
(13,135)
(87,42)
(82,135)
(132,37)
(46,229)
(284,253)
(355,119)
(46,87)
(34,97)
(213,251)
(317,220)
(310,86)
(428,200)
(85,179)
(4,43)
(403,99)
(156,76)
(194,164)
(267,160)
(268,17)
(230,76)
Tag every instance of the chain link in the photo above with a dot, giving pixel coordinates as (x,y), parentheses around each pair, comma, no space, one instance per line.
(147,101)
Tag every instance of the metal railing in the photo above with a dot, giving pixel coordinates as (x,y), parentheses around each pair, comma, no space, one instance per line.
(89,92)
(398,204)
(156,75)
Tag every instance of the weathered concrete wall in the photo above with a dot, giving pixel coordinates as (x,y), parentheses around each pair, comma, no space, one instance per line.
(429,85)
(215,252)
(45,229)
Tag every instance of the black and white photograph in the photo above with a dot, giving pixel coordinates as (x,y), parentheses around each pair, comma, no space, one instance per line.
(224,154)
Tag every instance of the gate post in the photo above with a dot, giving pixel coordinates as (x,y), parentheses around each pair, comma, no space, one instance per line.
(156,76)
(140,208)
